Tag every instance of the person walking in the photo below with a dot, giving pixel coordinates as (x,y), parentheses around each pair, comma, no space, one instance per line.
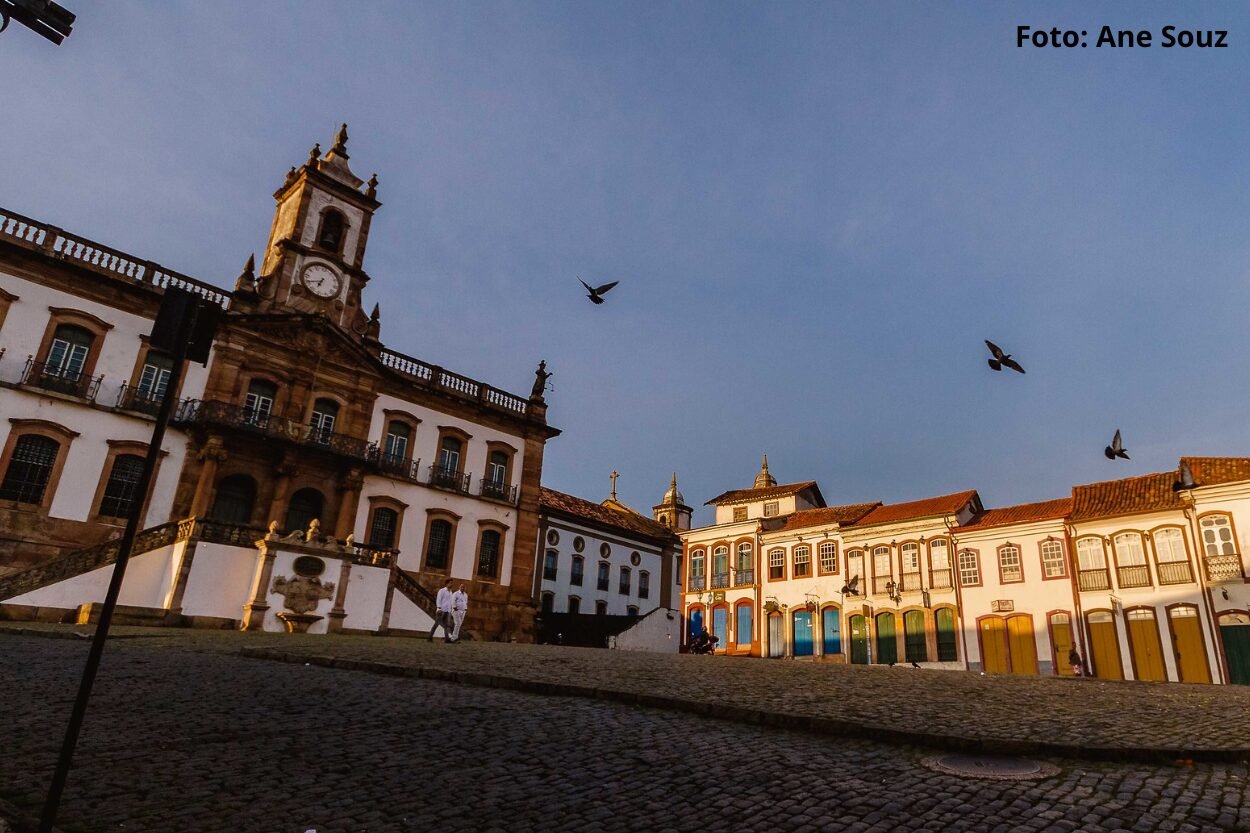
(459,606)
(1078,667)
(442,612)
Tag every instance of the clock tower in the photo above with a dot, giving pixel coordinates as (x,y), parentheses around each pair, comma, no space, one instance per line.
(314,260)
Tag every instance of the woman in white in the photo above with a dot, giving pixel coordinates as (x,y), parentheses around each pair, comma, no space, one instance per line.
(459,604)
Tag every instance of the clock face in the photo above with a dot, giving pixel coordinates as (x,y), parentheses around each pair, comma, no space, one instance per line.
(321,281)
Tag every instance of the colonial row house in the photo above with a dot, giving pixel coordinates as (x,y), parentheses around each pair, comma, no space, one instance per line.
(610,575)
(1143,578)
(312,478)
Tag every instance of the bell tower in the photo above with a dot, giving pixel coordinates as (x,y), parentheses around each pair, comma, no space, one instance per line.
(672,510)
(314,261)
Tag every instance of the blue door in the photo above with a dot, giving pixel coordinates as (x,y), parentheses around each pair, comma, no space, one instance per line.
(802,634)
(832,623)
(720,626)
(696,623)
(743,635)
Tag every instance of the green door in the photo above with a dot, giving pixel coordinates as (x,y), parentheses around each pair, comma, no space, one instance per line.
(914,637)
(1235,633)
(944,619)
(887,643)
(859,639)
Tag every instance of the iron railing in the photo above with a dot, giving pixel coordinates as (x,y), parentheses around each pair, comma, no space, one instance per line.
(60,379)
(879,584)
(1099,579)
(1223,567)
(1175,572)
(448,478)
(909,583)
(697,583)
(744,578)
(201,412)
(720,580)
(131,398)
(941,579)
(1133,575)
(397,465)
(497,490)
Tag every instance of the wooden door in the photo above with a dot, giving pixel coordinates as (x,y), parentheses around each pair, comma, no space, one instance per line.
(831,633)
(776,635)
(720,627)
(947,644)
(1143,640)
(803,646)
(859,639)
(1191,656)
(1104,645)
(887,640)
(1235,634)
(914,647)
(995,653)
(742,626)
(1022,644)
(1061,643)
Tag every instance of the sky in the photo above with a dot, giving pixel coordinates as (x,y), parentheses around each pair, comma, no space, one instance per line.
(816,212)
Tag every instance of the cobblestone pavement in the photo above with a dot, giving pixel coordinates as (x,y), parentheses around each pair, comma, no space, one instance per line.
(181,741)
(1051,712)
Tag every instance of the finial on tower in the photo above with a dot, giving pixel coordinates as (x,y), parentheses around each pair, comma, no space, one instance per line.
(613,477)
(764,479)
(372,190)
(247,278)
(314,154)
(340,142)
(376,314)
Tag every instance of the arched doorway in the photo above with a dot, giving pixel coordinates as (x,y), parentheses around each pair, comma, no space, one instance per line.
(1104,645)
(995,650)
(859,639)
(1235,634)
(1061,643)
(831,631)
(914,647)
(1187,643)
(305,505)
(696,621)
(1144,644)
(803,646)
(776,635)
(1022,644)
(720,627)
(235,500)
(947,644)
(743,630)
(887,642)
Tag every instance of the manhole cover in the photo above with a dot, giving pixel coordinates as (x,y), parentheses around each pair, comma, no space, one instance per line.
(990,767)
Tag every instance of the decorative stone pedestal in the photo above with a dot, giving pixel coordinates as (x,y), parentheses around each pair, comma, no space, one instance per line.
(298,622)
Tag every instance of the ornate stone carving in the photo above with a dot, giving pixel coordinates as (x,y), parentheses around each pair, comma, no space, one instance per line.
(301,594)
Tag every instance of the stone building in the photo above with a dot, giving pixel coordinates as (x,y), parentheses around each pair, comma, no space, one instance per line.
(302,414)
(1145,577)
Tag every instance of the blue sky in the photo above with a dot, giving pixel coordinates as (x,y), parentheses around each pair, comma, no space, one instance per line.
(816,212)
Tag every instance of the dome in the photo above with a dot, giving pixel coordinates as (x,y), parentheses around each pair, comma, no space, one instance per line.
(672,495)
(763,480)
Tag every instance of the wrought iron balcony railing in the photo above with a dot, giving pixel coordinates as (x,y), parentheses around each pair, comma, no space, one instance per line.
(909,583)
(941,579)
(744,578)
(448,478)
(1133,575)
(1099,579)
(720,580)
(1223,567)
(1175,572)
(210,412)
(879,584)
(698,583)
(399,466)
(60,379)
(145,401)
(497,490)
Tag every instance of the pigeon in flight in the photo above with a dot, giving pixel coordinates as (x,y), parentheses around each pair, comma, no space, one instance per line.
(1187,479)
(1116,449)
(597,292)
(1001,359)
(851,588)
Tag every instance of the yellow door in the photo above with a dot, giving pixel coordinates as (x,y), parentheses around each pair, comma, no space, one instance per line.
(1023,645)
(1104,648)
(994,651)
(1191,657)
(1143,639)
(1061,642)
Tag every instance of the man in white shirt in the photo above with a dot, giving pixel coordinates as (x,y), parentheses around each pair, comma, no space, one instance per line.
(442,613)
(459,606)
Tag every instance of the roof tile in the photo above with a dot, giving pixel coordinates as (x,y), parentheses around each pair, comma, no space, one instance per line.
(1147,493)
(746,495)
(943,505)
(626,522)
(1209,471)
(820,517)
(1021,514)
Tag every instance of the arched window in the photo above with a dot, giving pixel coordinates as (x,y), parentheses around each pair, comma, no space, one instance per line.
(939,565)
(882,569)
(909,557)
(122,488)
(1010,568)
(855,565)
(601,608)
(382,530)
(605,575)
(1091,560)
(698,571)
(551,565)
(259,402)
(30,468)
(438,544)
(67,356)
(579,569)
(488,552)
(623,588)
(644,584)
(969,568)
(153,380)
(1054,565)
(305,506)
(1130,561)
(1173,560)
(1219,548)
(632,610)
(497,469)
(395,450)
(720,567)
(330,235)
(325,413)
(235,498)
(745,564)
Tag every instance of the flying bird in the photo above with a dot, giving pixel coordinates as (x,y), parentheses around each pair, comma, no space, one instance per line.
(851,587)
(597,292)
(1116,449)
(1001,359)
(1187,479)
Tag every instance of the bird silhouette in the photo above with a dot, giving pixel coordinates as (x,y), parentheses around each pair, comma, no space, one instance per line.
(915,664)
(1187,479)
(1001,359)
(1116,449)
(891,663)
(851,588)
(597,292)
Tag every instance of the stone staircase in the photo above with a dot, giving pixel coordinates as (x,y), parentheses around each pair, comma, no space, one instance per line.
(407,584)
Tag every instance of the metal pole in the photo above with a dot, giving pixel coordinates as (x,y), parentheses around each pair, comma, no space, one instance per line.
(48,817)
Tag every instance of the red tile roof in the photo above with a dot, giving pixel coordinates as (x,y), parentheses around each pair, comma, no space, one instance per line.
(1148,493)
(1208,471)
(944,505)
(1021,514)
(628,523)
(747,495)
(821,517)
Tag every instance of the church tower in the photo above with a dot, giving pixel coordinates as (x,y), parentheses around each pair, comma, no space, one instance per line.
(764,479)
(672,510)
(314,260)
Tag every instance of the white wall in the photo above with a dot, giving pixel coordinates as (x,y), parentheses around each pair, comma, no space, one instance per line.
(657,632)
(221,580)
(407,616)
(366,597)
(621,549)
(149,577)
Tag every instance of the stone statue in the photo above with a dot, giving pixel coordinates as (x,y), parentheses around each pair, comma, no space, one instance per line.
(272,535)
(314,532)
(540,380)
